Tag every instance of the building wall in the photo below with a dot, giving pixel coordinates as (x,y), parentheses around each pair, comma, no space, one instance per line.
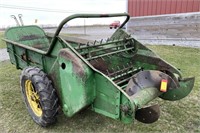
(158,7)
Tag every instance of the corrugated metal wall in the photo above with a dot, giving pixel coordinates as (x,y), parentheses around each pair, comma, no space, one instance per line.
(158,7)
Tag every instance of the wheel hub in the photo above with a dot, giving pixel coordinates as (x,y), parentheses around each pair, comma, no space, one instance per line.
(33,98)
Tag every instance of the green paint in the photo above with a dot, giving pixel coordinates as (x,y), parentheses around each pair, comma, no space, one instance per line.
(97,75)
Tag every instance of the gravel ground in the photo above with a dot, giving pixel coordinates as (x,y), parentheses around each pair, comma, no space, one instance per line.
(88,33)
(3,55)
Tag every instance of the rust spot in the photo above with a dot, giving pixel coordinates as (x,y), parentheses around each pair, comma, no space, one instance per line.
(23,56)
(27,59)
(160,64)
(78,66)
(29,37)
(100,65)
(38,46)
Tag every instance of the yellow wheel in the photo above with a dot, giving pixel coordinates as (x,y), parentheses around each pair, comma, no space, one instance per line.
(39,96)
(33,98)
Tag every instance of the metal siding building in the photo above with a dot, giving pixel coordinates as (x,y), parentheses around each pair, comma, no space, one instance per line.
(158,7)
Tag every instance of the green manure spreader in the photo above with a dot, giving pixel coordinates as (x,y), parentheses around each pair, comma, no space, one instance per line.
(116,77)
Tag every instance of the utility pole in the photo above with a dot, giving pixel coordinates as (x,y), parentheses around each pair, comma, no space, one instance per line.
(84,28)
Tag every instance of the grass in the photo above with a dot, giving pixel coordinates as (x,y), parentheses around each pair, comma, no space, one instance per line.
(2,43)
(178,116)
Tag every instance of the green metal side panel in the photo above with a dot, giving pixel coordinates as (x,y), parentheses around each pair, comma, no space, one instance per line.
(77,83)
(32,36)
(22,57)
(107,100)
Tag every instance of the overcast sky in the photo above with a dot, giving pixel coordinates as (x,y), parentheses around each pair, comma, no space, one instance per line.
(53,11)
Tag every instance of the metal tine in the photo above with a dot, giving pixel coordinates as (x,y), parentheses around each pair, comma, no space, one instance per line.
(108,73)
(125,39)
(102,58)
(118,76)
(106,43)
(113,76)
(113,38)
(79,45)
(118,67)
(109,56)
(124,68)
(87,44)
(89,55)
(96,60)
(113,69)
(128,64)
(107,39)
(123,81)
(101,41)
(124,86)
(109,53)
(95,42)
(131,64)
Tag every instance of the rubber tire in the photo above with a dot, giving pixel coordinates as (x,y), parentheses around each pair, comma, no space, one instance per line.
(47,94)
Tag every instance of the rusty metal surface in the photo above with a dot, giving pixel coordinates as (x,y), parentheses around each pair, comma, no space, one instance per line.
(78,67)
(160,64)
(29,37)
(147,79)
(100,65)
(148,114)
